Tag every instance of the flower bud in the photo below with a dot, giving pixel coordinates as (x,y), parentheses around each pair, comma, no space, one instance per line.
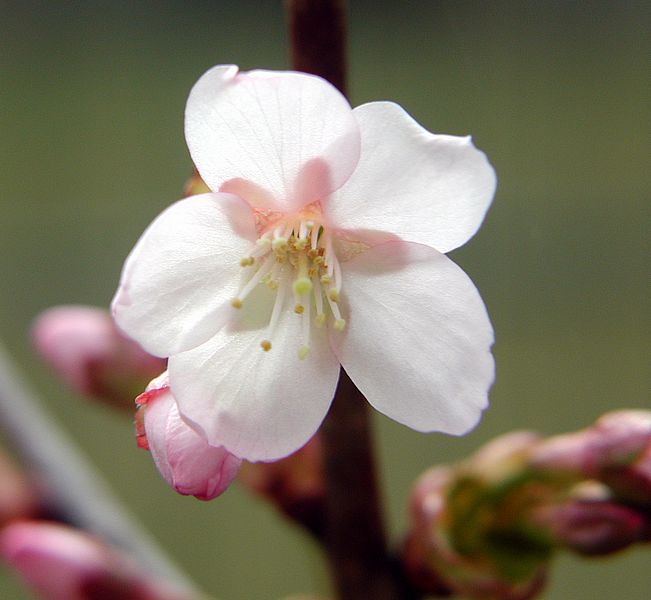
(448,551)
(294,484)
(83,346)
(616,450)
(60,563)
(185,460)
(592,527)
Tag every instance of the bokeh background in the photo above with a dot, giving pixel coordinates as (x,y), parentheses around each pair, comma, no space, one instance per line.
(556,93)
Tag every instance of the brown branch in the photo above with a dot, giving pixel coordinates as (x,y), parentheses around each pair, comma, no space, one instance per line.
(317,34)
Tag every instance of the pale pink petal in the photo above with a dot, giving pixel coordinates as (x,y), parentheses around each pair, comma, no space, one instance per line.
(258,405)
(277,139)
(183,457)
(417,341)
(178,280)
(425,188)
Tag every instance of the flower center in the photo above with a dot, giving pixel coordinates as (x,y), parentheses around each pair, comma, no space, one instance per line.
(296,260)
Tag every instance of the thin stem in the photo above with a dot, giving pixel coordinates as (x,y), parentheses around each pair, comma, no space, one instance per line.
(77,492)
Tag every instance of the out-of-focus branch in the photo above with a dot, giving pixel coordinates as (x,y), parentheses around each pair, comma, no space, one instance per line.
(72,486)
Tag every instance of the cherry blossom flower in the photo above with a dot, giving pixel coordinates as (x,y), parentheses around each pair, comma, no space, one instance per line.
(322,244)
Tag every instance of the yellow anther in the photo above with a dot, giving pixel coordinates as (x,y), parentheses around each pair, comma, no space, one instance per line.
(318,260)
(272,284)
(320,319)
(247,261)
(326,279)
(303,351)
(312,254)
(279,244)
(333,294)
(300,244)
(298,309)
(236,303)
(302,286)
(311,272)
(265,345)
(340,324)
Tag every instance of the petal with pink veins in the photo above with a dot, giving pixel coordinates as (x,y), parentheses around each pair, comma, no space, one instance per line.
(418,338)
(279,140)
(425,188)
(178,280)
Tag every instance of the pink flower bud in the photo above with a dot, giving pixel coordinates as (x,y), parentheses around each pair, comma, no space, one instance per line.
(592,527)
(185,460)
(60,563)
(616,450)
(84,347)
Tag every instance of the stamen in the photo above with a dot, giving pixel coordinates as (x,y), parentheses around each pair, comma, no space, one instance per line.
(339,322)
(333,294)
(275,313)
(257,277)
(304,350)
(302,284)
(302,232)
(314,237)
(319,320)
(329,255)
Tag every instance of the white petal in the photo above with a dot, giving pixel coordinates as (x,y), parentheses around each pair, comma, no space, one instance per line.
(178,280)
(425,188)
(417,342)
(277,139)
(258,405)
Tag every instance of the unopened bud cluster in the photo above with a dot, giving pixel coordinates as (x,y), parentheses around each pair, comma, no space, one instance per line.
(488,527)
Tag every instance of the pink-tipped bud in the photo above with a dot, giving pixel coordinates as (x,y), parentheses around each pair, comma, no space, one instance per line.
(183,457)
(83,346)
(592,527)
(616,450)
(294,484)
(60,563)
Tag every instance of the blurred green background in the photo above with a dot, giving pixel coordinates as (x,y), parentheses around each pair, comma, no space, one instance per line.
(556,93)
